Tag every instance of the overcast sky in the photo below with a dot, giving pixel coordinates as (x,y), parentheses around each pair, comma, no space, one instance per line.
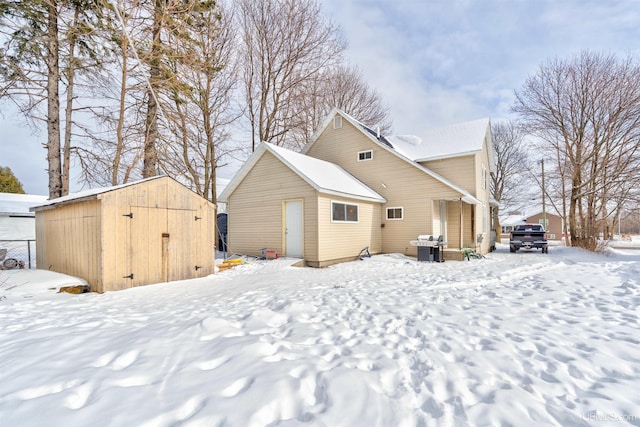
(434,62)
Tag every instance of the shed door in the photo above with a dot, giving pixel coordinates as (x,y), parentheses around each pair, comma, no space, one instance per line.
(146,244)
(161,245)
(293,229)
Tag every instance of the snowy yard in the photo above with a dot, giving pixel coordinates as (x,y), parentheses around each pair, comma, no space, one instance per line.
(514,339)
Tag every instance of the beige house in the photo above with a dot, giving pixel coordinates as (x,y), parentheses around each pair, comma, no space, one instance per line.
(150,231)
(437,184)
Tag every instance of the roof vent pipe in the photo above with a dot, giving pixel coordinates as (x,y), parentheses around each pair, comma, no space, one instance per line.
(378,132)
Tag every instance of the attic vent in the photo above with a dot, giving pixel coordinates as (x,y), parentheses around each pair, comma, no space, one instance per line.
(337,122)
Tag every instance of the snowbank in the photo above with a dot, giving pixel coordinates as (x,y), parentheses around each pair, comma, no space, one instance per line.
(513,339)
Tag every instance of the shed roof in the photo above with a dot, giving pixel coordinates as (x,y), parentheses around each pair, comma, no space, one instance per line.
(12,204)
(85,195)
(325,177)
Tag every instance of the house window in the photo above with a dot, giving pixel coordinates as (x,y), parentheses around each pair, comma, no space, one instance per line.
(342,212)
(365,155)
(395,213)
(484,177)
(337,122)
(544,223)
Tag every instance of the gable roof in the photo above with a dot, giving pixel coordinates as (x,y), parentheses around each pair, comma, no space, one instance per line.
(324,177)
(387,144)
(85,195)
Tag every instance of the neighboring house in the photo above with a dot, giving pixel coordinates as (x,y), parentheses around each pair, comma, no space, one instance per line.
(18,225)
(149,231)
(553,225)
(383,192)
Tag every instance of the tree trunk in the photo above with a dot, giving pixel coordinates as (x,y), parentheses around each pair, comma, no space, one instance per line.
(71,70)
(151,122)
(53,103)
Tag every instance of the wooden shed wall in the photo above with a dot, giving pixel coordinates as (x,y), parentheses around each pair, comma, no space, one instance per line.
(256,209)
(135,245)
(69,241)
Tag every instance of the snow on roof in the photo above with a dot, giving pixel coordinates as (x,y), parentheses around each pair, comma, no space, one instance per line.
(512,220)
(325,177)
(454,140)
(18,204)
(88,194)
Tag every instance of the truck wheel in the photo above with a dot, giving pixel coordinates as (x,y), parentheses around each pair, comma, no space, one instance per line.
(512,249)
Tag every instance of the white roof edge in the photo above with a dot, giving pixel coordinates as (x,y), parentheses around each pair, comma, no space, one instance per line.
(351,196)
(265,146)
(448,156)
(315,184)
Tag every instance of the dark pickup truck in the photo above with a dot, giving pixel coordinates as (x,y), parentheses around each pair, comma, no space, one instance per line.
(528,236)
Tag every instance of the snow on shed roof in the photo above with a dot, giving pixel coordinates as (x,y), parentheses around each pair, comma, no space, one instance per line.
(449,141)
(325,177)
(87,194)
(12,204)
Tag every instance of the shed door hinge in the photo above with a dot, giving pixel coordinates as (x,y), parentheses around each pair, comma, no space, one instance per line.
(198,267)
(130,215)
(128,277)
(197,217)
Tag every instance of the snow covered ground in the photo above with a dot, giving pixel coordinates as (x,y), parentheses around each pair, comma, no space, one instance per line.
(513,339)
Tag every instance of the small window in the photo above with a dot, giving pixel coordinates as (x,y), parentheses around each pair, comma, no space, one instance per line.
(395,213)
(337,122)
(365,155)
(342,212)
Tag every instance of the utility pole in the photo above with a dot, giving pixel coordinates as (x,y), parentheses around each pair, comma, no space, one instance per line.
(544,210)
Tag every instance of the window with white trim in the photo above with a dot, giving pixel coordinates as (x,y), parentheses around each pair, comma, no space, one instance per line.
(395,213)
(365,155)
(343,212)
(337,122)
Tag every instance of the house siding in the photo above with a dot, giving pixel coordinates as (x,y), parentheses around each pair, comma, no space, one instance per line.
(458,170)
(400,183)
(341,240)
(262,193)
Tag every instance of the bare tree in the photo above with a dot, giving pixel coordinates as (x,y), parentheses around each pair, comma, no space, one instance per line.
(342,87)
(587,111)
(46,41)
(285,44)
(199,101)
(510,158)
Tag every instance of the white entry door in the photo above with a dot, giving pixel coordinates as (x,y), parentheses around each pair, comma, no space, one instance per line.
(293,229)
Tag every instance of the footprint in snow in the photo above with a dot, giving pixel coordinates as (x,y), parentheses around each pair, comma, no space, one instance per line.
(125,360)
(237,387)
(209,365)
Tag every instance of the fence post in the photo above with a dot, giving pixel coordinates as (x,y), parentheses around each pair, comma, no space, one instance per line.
(29,251)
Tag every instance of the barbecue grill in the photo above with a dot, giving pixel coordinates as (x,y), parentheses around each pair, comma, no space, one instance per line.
(429,248)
